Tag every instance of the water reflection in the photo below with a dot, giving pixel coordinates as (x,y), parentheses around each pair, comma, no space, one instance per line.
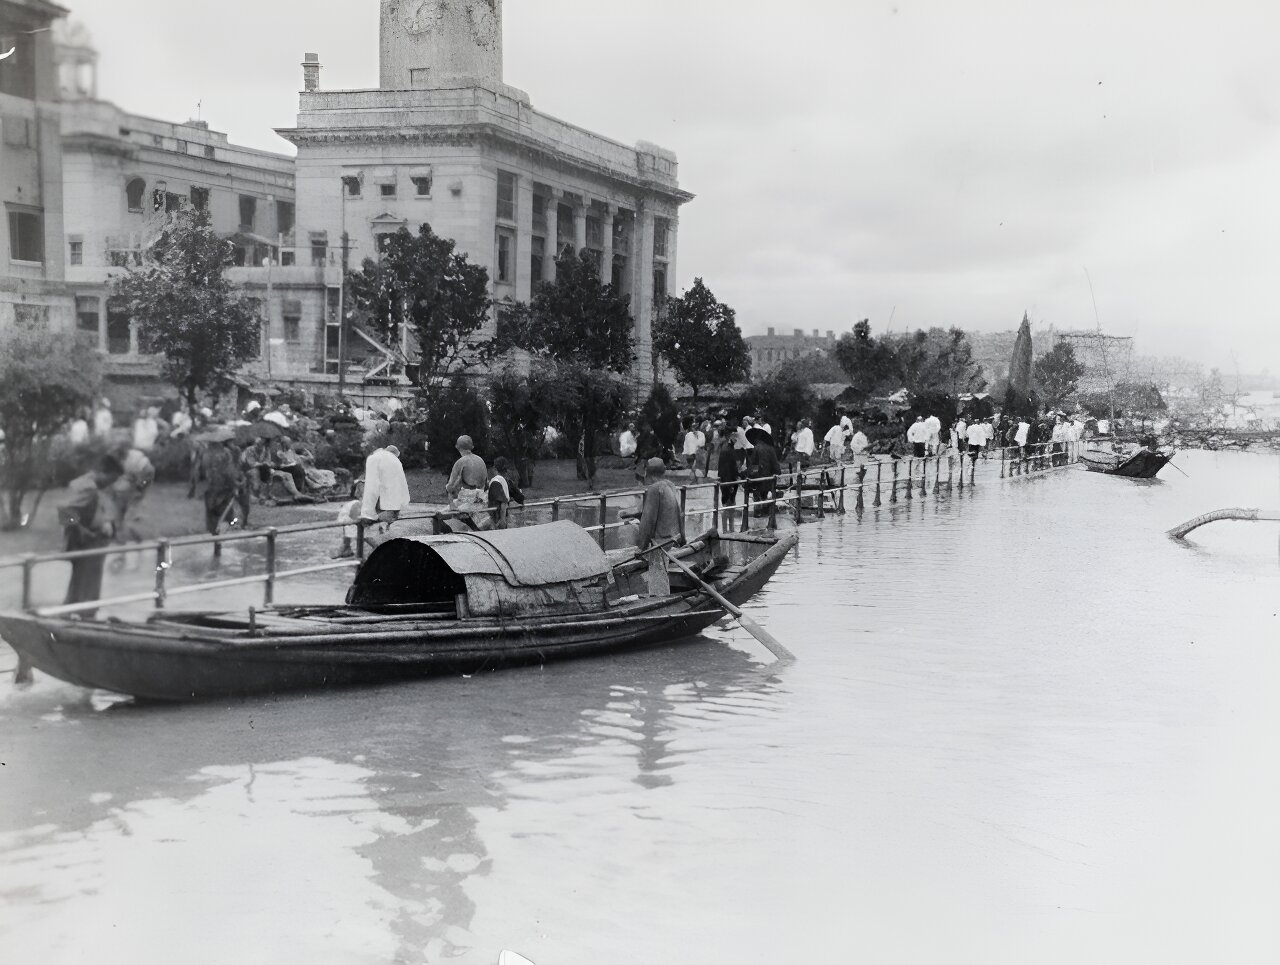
(348,822)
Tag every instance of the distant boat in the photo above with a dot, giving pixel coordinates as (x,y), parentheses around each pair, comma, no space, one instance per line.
(425,605)
(1120,459)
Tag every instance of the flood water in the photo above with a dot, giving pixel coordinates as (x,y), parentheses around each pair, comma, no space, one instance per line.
(1023,726)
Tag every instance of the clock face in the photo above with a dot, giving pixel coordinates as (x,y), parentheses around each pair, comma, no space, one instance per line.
(483,20)
(421,16)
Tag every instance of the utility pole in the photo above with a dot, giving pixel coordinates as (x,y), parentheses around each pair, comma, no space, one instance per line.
(342,311)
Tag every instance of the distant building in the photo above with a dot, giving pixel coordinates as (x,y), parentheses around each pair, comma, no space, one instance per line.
(770,350)
(444,141)
(32,264)
(124,174)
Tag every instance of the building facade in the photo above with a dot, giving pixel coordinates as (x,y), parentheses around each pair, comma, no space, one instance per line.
(32,265)
(770,350)
(444,141)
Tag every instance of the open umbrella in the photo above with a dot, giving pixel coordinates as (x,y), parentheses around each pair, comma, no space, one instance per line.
(258,430)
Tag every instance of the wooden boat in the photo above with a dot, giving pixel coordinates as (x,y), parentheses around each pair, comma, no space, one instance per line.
(418,606)
(1117,459)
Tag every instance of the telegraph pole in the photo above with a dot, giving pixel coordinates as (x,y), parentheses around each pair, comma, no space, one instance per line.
(342,311)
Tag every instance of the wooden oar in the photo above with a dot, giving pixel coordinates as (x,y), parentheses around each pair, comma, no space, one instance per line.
(748,624)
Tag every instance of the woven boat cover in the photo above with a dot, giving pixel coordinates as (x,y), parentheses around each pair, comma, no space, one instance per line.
(560,552)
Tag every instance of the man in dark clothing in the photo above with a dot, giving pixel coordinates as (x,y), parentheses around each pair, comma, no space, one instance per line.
(729,469)
(501,492)
(86,517)
(762,465)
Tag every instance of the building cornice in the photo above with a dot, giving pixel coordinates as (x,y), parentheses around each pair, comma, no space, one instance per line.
(462,135)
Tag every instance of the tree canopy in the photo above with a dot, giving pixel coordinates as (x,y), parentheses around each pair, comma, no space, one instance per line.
(523,406)
(934,361)
(422,285)
(185,309)
(1057,373)
(46,379)
(699,338)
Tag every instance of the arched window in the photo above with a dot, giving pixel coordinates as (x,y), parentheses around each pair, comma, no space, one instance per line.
(134,191)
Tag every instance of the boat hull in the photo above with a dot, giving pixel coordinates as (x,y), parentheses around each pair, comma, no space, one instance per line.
(145,662)
(1143,464)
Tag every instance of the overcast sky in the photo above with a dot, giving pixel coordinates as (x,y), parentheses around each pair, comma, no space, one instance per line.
(950,162)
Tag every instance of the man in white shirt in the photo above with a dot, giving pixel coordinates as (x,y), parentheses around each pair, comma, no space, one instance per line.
(804,443)
(386,491)
(858,446)
(977,438)
(691,449)
(627,442)
(960,436)
(918,436)
(834,442)
(934,425)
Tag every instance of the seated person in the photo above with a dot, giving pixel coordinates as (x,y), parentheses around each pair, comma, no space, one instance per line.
(501,492)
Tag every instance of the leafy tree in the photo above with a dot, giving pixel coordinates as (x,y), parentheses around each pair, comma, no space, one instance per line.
(584,327)
(814,369)
(936,361)
(870,365)
(700,339)
(46,379)
(186,311)
(1057,373)
(660,413)
(781,399)
(459,411)
(422,285)
(1136,400)
(523,406)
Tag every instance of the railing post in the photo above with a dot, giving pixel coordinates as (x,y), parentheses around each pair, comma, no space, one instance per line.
(162,566)
(269,587)
(684,506)
(746,508)
(604,516)
(1002,462)
(824,483)
(360,537)
(840,501)
(962,457)
(773,505)
(876,501)
(799,481)
(555,510)
(950,471)
(715,507)
(893,493)
(28,567)
(937,475)
(911,477)
(924,476)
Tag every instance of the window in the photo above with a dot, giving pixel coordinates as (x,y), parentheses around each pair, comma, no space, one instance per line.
(618,274)
(537,251)
(17,130)
(284,217)
(352,183)
(506,196)
(382,241)
(134,192)
(157,140)
(332,297)
(200,199)
(660,290)
(291,311)
(661,227)
(319,248)
(75,251)
(117,326)
(422,185)
(181,147)
(87,314)
(209,152)
(26,236)
(540,211)
(248,211)
(595,233)
(31,316)
(506,246)
(387,190)
(288,257)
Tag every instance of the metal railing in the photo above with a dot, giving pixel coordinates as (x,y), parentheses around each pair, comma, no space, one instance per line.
(764,498)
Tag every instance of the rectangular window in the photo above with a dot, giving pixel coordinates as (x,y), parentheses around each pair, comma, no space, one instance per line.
(209,152)
(291,311)
(352,183)
(506,246)
(284,217)
(595,233)
(540,211)
(200,199)
(31,316)
(387,190)
(248,212)
(17,130)
(75,255)
(181,147)
(537,251)
(660,290)
(117,327)
(661,227)
(288,257)
(87,314)
(506,196)
(26,236)
(319,248)
(422,185)
(332,298)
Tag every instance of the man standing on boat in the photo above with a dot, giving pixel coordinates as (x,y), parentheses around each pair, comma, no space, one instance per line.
(660,517)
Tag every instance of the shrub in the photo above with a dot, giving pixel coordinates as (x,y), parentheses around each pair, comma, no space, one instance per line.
(460,412)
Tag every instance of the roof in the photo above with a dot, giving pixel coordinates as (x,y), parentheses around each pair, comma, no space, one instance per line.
(560,552)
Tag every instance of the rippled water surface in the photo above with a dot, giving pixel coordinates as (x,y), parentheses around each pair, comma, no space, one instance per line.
(1023,726)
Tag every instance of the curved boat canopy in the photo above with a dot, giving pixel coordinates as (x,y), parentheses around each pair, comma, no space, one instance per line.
(556,567)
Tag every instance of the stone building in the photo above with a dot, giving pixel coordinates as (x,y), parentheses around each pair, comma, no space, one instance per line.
(770,350)
(444,141)
(124,174)
(32,261)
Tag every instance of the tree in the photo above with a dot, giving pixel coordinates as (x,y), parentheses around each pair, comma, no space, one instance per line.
(661,415)
(869,364)
(421,285)
(584,327)
(937,361)
(186,311)
(1020,396)
(46,379)
(458,411)
(1057,373)
(782,398)
(700,339)
(523,406)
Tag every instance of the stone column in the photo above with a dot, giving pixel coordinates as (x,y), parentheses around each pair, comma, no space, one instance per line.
(551,249)
(522,273)
(606,266)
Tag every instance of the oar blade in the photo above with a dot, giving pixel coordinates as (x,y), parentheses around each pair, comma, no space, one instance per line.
(766,638)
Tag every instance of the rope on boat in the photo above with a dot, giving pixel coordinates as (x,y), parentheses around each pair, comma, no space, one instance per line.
(1180,532)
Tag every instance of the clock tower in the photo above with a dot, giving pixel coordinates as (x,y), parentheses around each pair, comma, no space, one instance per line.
(440,44)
